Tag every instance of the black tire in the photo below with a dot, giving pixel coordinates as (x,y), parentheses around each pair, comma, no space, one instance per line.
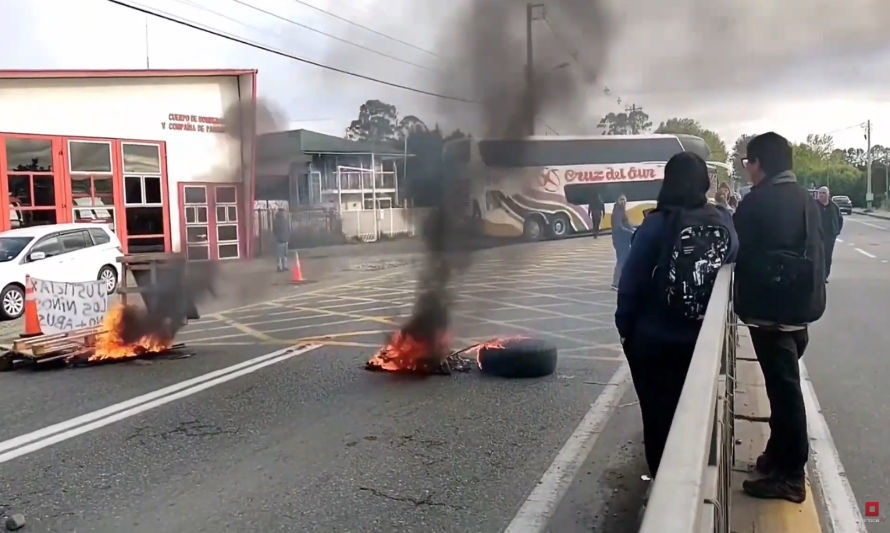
(109,274)
(560,226)
(12,302)
(533,228)
(519,358)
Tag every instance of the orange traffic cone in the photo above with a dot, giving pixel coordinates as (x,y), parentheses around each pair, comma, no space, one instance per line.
(297,271)
(32,320)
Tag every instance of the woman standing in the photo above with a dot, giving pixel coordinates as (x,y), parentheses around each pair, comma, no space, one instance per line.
(658,340)
(622,233)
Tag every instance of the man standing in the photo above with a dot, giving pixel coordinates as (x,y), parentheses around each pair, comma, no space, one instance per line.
(832,224)
(281,231)
(780,289)
(596,209)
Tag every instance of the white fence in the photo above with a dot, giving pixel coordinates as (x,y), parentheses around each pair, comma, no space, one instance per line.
(371,224)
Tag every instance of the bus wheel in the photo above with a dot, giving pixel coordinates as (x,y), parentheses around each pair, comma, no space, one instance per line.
(533,228)
(560,226)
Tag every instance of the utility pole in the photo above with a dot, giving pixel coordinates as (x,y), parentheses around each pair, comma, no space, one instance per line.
(531,97)
(631,111)
(869,196)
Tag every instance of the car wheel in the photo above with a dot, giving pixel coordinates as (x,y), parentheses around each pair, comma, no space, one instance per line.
(560,226)
(518,358)
(12,302)
(109,275)
(533,228)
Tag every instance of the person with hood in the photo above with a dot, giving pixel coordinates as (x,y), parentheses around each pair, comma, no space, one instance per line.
(281,232)
(779,290)
(656,331)
(622,234)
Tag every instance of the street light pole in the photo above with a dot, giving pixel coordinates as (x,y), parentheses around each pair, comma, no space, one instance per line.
(531,97)
(869,196)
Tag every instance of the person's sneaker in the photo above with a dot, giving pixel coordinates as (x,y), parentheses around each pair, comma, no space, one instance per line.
(764,465)
(776,488)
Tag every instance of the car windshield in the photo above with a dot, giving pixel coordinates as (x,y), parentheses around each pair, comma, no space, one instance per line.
(11,247)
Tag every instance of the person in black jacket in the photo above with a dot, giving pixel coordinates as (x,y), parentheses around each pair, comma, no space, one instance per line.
(779,289)
(596,210)
(281,231)
(832,224)
(657,342)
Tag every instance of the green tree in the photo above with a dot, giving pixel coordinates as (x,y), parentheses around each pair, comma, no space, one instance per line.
(377,121)
(633,122)
(690,126)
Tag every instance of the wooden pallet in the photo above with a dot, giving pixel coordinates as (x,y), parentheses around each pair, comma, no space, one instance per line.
(46,345)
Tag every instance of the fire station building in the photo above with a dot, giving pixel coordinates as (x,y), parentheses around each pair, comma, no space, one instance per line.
(165,157)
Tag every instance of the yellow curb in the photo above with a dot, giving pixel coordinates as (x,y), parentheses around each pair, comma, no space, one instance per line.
(750,514)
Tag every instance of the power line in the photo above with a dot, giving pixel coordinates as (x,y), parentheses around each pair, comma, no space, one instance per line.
(328,35)
(372,30)
(252,44)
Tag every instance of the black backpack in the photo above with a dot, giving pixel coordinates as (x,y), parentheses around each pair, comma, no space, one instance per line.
(687,268)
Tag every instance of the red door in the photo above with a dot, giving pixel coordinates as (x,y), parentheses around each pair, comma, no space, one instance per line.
(210,224)
(31,177)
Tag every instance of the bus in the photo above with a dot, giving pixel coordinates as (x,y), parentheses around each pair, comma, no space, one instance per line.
(540,187)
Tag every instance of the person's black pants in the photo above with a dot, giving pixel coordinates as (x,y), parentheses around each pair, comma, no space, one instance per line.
(778,353)
(829,251)
(596,222)
(658,371)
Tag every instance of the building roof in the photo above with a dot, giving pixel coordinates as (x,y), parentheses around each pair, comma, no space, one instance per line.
(139,73)
(285,144)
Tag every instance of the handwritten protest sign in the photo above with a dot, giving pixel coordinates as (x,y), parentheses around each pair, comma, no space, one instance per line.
(65,306)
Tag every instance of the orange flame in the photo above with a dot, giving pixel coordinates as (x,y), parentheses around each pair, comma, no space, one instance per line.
(404,352)
(110,344)
(493,344)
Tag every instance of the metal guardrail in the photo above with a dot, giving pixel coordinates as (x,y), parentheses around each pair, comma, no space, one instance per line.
(692,488)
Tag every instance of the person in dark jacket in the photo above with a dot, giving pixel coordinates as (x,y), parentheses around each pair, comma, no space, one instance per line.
(596,210)
(622,234)
(832,224)
(281,231)
(777,221)
(658,343)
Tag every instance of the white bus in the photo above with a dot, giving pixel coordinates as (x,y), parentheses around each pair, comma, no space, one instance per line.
(540,187)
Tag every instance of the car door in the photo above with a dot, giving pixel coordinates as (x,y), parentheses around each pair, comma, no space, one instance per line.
(49,268)
(80,260)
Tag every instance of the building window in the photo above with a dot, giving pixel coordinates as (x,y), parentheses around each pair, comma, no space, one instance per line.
(143,197)
(92,182)
(31,183)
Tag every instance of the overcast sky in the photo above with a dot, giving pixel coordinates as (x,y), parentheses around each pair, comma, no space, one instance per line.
(809,66)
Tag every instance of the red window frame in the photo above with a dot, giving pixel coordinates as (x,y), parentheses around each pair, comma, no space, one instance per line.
(55,174)
(213,237)
(62,180)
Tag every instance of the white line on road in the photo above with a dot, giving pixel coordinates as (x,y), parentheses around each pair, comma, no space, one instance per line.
(56,433)
(840,502)
(840,240)
(869,224)
(866,254)
(542,502)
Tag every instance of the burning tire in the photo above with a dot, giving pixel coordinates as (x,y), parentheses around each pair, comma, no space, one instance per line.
(518,358)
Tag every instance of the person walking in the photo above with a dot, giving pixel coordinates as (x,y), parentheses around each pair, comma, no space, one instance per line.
(663,294)
(281,231)
(832,224)
(779,290)
(720,200)
(596,210)
(622,233)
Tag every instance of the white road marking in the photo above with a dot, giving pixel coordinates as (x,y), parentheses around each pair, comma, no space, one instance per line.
(852,243)
(840,240)
(837,495)
(869,224)
(543,500)
(866,254)
(36,440)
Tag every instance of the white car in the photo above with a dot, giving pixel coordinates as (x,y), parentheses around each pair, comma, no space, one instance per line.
(57,252)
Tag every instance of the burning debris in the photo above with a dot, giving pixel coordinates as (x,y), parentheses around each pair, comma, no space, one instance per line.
(515,356)
(128,332)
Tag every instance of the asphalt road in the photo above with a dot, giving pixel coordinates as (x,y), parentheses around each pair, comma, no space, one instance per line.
(849,359)
(307,440)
